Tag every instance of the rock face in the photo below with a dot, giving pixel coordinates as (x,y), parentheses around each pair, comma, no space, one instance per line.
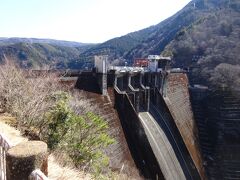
(24,158)
(176,96)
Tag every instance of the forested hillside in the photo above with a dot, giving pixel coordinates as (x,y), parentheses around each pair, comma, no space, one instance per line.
(40,52)
(210,46)
(151,40)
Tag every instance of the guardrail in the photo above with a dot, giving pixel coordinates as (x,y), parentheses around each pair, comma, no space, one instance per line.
(5,145)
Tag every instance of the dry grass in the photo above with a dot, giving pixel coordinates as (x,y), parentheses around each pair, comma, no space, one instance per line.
(8,119)
(27,99)
(80,104)
(119,176)
(59,172)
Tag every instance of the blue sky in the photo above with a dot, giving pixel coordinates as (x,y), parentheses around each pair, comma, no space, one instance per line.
(82,20)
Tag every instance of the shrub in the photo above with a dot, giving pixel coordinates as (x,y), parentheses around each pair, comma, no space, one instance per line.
(82,136)
(226,75)
(27,98)
(43,108)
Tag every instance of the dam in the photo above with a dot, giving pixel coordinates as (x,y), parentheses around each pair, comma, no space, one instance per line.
(155,131)
(164,128)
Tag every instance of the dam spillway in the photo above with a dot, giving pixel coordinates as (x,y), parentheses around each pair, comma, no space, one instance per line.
(138,91)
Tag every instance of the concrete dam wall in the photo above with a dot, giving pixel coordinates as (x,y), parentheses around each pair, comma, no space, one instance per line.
(217,115)
(164,124)
(137,139)
(161,113)
(177,98)
(136,123)
(163,131)
(162,148)
(119,153)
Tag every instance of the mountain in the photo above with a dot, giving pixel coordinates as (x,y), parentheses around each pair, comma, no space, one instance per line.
(203,37)
(118,47)
(43,41)
(32,52)
(210,46)
(151,40)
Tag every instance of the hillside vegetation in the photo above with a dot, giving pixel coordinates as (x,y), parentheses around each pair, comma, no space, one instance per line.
(39,52)
(210,46)
(45,41)
(151,40)
(46,110)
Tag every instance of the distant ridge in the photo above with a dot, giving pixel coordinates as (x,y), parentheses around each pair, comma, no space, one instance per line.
(33,52)
(151,40)
(14,40)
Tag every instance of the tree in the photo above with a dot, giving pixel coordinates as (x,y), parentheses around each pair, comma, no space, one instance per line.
(226,75)
(82,136)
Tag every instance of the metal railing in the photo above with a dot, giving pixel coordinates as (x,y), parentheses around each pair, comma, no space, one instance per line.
(5,145)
